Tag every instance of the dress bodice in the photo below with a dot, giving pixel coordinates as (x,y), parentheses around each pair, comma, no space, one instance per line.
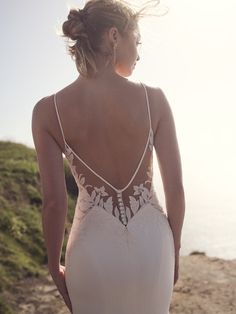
(94,190)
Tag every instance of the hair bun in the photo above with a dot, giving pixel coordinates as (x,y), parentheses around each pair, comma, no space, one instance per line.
(74,26)
(74,14)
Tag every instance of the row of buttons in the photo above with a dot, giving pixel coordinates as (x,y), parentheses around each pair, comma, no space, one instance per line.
(122,208)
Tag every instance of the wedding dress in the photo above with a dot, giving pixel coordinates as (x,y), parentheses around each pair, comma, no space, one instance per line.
(120,251)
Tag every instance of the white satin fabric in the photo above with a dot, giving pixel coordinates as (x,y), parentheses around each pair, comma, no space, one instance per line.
(111,269)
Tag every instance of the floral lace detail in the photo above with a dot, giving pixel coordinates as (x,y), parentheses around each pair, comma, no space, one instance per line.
(92,196)
(151,140)
(70,157)
(99,197)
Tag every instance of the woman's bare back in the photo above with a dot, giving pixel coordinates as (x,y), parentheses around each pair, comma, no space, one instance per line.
(106,126)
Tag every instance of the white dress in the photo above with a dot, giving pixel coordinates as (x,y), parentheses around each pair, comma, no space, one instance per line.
(120,252)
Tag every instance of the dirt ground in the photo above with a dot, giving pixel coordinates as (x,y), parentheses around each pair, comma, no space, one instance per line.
(205,285)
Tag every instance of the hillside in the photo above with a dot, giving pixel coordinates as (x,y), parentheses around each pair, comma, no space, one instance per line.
(22,250)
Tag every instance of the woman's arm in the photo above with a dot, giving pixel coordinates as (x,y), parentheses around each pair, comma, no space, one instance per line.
(169,160)
(50,160)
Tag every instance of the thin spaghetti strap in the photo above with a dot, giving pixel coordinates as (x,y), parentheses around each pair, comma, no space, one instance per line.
(148,105)
(58,118)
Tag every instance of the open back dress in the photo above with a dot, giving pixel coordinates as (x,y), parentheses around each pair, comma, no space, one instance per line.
(120,251)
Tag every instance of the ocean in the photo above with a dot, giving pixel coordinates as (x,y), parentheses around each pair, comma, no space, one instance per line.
(210,218)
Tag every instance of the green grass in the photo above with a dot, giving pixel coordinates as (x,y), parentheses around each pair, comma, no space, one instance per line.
(22,248)
(4,307)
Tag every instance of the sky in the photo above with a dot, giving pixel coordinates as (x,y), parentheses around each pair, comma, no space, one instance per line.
(189,52)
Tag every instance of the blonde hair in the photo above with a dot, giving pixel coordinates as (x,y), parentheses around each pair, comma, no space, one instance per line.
(86,27)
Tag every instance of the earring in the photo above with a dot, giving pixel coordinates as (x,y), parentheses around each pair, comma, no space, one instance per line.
(111,56)
(114,53)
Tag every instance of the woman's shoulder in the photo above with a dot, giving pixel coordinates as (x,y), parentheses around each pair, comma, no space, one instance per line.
(159,105)
(154,91)
(43,110)
(42,105)
(158,99)
(46,104)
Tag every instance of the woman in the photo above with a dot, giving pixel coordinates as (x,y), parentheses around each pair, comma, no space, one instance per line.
(122,254)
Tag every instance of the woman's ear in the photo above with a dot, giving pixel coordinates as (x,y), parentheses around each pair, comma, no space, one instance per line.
(113,35)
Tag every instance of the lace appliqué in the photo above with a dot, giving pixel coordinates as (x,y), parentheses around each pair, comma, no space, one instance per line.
(151,140)
(91,196)
(99,197)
